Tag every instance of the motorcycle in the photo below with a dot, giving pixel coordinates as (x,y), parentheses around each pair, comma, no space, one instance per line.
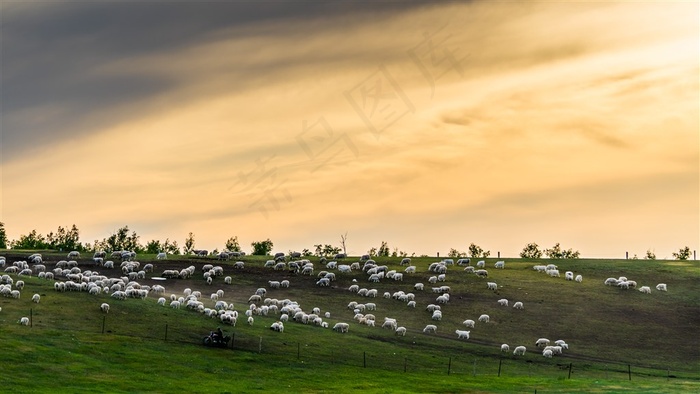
(215,340)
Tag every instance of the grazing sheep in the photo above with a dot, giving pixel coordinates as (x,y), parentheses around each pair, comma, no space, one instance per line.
(480,264)
(661,287)
(519,351)
(36,298)
(500,264)
(469,323)
(484,318)
(162,256)
(251,320)
(579,278)
(19,285)
(401,331)
(505,347)
(461,334)
(542,342)
(611,282)
(161,301)
(568,275)
(481,273)
(518,305)
(491,285)
(430,328)
(503,302)
(104,307)
(562,344)
(547,353)
(645,289)
(341,327)
(175,304)
(24,321)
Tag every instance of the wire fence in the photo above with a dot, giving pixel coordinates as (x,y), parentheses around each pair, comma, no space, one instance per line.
(277,345)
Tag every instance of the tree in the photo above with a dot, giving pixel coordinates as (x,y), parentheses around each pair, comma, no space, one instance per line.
(531,251)
(232,244)
(683,254)
(330,250)
(372,252)
(556,252)
(33,240)
(154,247)
(475,251)
(383,250)
(306,253)
(262,248)
(189,244)
(121,240)
(3,236)
(456,253)
(650,255)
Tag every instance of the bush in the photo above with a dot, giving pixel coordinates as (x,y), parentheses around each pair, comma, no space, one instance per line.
(683,254)
(262,248)
(531,251)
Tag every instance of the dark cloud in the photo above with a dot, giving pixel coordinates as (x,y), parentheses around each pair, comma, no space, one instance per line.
(50,90)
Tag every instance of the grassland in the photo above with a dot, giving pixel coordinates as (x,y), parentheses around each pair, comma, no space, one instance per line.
(142,347)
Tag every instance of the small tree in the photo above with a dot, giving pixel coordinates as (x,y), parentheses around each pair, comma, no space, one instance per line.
(475,251)
(556,252)
(531,251)
(372,252)
(189,244)
(170,247)
(3,236)
(154,247)
(683,254)
(383,249)
(456,253)
(318,250)
(262,248)
(306,253)
(33,240)
(232,244)
(650,255)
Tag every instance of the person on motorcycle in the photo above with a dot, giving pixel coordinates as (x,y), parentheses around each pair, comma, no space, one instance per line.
(218,335)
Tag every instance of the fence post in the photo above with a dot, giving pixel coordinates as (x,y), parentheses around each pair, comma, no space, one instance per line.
(629,371)
(627,255)
(499,255)
(449,365)
(499,367)
(166,332)
(571,365)
(103,323)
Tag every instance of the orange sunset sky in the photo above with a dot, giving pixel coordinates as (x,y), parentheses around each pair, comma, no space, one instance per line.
(429,125)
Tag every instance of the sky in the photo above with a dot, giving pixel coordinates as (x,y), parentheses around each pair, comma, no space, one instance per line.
(428,125)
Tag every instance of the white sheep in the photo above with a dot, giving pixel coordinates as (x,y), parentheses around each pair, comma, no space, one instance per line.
(491,286)
(484,318)
(228,280)
(645,289)
(104,307)
(24,321)
(503,302)
(469,323)
(161,301)
(500,264)
(480,264)
(579,278)
(461,334)
(519,351)
(505,347)
(251,320)
(401,331)
(341,327)
(568,275)
(542,342)
(430,328)
(547,353)
(661,287)
(175,304)
(518,305)
(562,343)
(418,286)
(36,298)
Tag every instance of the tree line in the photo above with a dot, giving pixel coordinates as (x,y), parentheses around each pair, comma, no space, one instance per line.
(68,239)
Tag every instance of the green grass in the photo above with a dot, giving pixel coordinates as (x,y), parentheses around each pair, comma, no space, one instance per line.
(606,328)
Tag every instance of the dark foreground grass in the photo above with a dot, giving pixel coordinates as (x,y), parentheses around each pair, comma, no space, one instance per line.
(142,347)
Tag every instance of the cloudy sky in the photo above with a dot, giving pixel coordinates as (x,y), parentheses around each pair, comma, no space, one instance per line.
(428,125)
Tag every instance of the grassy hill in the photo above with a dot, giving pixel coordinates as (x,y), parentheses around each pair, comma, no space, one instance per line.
(613,334)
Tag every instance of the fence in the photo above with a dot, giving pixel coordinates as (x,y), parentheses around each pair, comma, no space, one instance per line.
(279,346)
